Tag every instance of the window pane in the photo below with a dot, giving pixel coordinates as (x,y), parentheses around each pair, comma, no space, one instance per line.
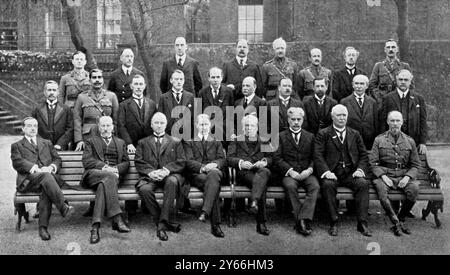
(251,26)
(242,26)
(242,12)
(259,10)
(258,26)
(250,12)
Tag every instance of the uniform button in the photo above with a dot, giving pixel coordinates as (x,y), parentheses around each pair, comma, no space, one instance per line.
(123,92)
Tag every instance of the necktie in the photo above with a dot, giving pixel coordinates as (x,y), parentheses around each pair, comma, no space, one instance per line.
(214,94)
(179,63)
(242,63)
(245,103)
(285,102)
(128,72)
(140,103)
(360,102)
(297,137)
(340,135)
(32,142)
(158,145)
(178,97)
(320,102)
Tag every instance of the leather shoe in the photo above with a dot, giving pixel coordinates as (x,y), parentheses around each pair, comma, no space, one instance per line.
(333,231)
(217,231)
(253,208)
(397,230)
(262,229)
(362,227)
(173,227)
(161,234)
(410,215)
(203,216)
(43,233)
(95,236)
(301,228)
(405,229)
(120,227)
(68,211)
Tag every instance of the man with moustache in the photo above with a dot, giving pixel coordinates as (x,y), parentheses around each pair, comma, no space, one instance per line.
(120,82)
(239,68)
(362,111)
(37,164)
(284,102)
(75,82)
(55,120)
(315,70)
(394,162)
(318,107)
(160,161)
(343,79)
(206,164)
(184,63)
(277,68)
(294,161)
(341,159)
(252,165)
(382,80)
(105,161)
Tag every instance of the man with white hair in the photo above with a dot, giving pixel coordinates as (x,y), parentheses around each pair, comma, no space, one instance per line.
(343,78)
(120,82)
(315,70)
(278,68)
(341,159)
(395,162)
(184,63)
(362,111)
(250,102)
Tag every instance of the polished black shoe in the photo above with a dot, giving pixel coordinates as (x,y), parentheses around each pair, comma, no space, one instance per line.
(262,229)
(253,208)
(333,231)
(405,229)
(410,215)
(217,231)
(172,227)
(364,229)
(302,229)
(120,227)
(161,234)
(397,230)
(203,216)
(68,211)
(95,235)
(43,233)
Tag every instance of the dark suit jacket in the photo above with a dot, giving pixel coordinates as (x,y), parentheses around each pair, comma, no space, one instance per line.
(24,157)
(192,78)
(196,158)
(342,83)
(290,155)
(417,119)
(238,150)
(167,102)
(327,150)
(63,124)
(131,127)
(312,118)
(253,106)
(233,74)
(283,118)
(224,99)
(120,84)
(365,122)
(94,157)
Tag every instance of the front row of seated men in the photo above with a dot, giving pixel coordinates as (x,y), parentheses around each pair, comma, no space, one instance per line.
(336,157)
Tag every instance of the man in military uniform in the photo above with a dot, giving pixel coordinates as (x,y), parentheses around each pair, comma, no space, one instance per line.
(382,80)
(75,82)
(314,71)
(90,106)
(394,161)
(278,68)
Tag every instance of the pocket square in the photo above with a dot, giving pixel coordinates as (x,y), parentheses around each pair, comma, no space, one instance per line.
(221,101)
(418,106)
(335,137)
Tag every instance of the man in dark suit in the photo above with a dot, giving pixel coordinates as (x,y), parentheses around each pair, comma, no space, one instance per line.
(294,162)
(239,68)
(250,102)
(343,79)
(160,161)
(120,82)
(362,111)
(413,108)
(55,119)
(37,163)
(284,102)
(184,63)
(318,107)
(247,155)
(341,160)
(175,98)
(105,161)
(206,163)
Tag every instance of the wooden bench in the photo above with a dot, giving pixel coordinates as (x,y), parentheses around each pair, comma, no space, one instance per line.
(430,191)
(71,171)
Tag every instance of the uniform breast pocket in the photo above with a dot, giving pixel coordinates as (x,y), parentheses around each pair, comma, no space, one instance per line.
(72,91)
(386,149)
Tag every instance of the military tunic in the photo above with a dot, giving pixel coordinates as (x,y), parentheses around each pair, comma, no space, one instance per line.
(273,71)
(71,85)
(306,80)
(89,108)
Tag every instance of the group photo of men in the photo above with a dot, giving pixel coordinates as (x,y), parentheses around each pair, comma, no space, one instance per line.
(274,124)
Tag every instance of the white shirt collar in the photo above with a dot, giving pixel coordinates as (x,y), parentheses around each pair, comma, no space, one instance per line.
(320,99)
(239,60)
(295,132)
(125,69)
(401,93)
(213,89)
(284,99)
(341,129)
(357,96)
(175,92)
(137,98)
(250,98)
(350,68)
(31,138)
(183,58)
(52,103)
(200,136)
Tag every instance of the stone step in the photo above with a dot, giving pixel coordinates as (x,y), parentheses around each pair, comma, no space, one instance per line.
(14,123)
(7,118)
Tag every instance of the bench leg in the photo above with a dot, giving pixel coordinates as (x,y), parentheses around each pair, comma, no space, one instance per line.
(433,207)
(21,212)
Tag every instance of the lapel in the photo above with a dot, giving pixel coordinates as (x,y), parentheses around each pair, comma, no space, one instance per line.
(244,146)
(327,103)
(97,142)
(258,145)
(122,75)
(315,107)
(44,113)
(119,149)
(152,143)
(135,110)
(397,100)
(335,138)
(146,105)
(40,146)
(28,145)
(349,137)
(355,106)
(221,96)
(209,96)
(171,102)
(292,141)
(164,144)
(184,99)
(58,112)
(412,102)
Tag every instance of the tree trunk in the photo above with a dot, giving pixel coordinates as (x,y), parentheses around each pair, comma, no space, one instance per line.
(404,39)
(75,34)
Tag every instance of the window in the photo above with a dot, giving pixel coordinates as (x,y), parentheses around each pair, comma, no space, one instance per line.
(251,13)
(8,35)
(109,17)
